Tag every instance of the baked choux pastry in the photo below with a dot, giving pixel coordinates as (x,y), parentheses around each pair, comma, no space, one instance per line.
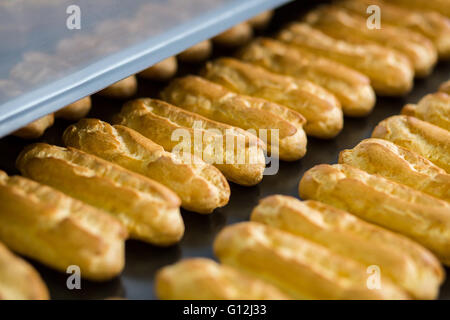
(36,128)
(18,279)
(343,24)
(432,25)
(242,160)
(236,36)
(75,111)
(351,87)
(402,209)
(423,138)
(298,266)
(433,108)
(204,279)
(122,89)
(390,72)
(382,157)
(44,224)
(321,109)
(149,210)
(161,71)
(200,186)
(197,53)
(217,103)
(406,263)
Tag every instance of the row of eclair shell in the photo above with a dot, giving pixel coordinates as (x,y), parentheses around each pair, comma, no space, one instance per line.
(161,71)
(55,223)
(384,208)
(335,40)
(111,268)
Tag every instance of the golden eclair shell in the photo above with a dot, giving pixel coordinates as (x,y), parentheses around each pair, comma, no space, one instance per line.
(403,261)
(217,103)
(201,187)
(237,35)
(197,53)
(445,87)
(75,111)
(390,72)
(46,225)
(297,266)
(204,279)
(441,6)
(351,87)
(433,108)
(161,71)
(343,24)
(262,20)
(382,157)
(36,128)
(402,209)
(149,210)
(320,108)
(159,121)
(18,279)
(122,89)
(423,138)
(432,25)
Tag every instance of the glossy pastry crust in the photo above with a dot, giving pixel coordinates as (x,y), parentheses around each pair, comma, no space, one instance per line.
(161,71)
(149,210)
(320,108)
(432,25)
(201,187)
(46,225)
(18,279)
(242,163)
(351,87)
(403,261)
(204,279)
(342,24)
(217,103)
(36,128)
(384,202)
(237,35)
(122,89)
(299,267)
(423,138)
(382,157)
(75,111)
(390,72)
(433,108)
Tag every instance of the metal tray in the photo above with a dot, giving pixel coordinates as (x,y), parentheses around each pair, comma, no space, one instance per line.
(46,64)
(143,260)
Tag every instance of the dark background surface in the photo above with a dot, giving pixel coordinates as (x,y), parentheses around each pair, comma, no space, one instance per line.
(143,260)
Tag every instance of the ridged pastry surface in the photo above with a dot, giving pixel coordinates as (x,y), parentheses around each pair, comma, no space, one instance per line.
(215,102)
(322,111)
(149,210)
(243,162)
(201,187)
(390,72)
(403,261)
(351,87)
(394,206)
(204,279)
(18,279)
(299,267)
(423,138)
(46,225)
